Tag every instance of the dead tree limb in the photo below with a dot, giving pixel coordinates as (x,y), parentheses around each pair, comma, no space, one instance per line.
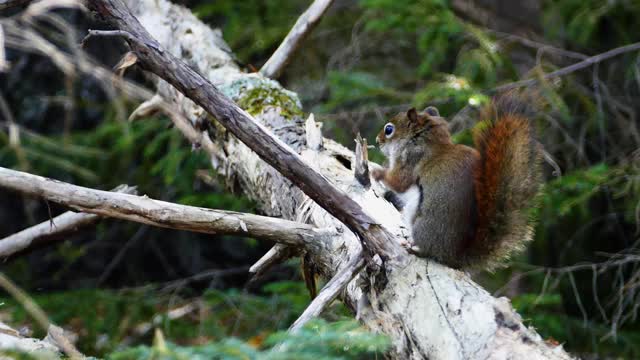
(161,213)
(300,30)
(53,229)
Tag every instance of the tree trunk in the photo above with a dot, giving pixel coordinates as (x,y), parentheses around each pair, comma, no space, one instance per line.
(428,310)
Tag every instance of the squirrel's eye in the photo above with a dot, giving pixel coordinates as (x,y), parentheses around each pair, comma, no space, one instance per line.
(388,129)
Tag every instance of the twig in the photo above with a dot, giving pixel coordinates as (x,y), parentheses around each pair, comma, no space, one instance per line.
(571,68)
(27,303)
(330,291)
(539,45)
(303,26)
(56,334)
(212,273)
(276,255)
(45,232)
(163,214)
(30,306)
(106,33)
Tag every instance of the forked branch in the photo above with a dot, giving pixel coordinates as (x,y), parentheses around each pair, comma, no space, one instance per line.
(52,229)
(163,214)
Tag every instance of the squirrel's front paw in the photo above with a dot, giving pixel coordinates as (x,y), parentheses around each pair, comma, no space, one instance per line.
(410,247)
(377,173)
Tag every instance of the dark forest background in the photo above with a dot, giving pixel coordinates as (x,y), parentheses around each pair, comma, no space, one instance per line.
(578,282)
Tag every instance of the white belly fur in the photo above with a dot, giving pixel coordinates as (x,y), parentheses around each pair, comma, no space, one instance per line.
(411,201)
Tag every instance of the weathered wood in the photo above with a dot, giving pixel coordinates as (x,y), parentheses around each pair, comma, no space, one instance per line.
(145,210)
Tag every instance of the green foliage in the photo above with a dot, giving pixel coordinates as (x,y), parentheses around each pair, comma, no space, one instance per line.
(430,22)
(348,89)
(252,27)
(144,153)
(106,319)
(572,192)
(588,22)
(545,312)
(317,340)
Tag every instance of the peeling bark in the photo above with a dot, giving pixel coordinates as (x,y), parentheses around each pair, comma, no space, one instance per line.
(428,310)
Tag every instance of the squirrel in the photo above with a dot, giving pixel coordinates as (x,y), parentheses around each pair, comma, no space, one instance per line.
(466,208)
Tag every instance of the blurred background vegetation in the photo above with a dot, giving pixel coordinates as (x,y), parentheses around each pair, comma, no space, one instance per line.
(578,283)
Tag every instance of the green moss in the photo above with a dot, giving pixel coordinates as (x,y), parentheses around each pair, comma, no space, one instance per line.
(254,93)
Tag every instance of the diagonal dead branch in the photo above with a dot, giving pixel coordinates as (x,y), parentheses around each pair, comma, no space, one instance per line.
(51,230)
(55,334)
(300,30)
(271,149)
(163,214)
(330,291)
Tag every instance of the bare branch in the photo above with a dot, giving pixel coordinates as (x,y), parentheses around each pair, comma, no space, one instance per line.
(251,133)
(330,291)
(55,334)
(163,214)
(26,301)
(276,255)
(53,229)
(572,68)
(303,26)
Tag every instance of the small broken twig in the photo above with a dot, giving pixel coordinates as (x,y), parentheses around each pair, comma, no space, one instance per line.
(303,26)
(276,255)
(361,164)
(330,291)
(55,335)
(571,68)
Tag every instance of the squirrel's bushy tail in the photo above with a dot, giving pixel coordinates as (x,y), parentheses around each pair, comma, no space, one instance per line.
(506,182)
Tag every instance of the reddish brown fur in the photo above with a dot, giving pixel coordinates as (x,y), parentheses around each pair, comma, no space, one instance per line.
(486,176)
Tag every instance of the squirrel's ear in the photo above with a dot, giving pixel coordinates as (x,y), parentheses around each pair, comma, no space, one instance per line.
(432,111)
(412,114)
